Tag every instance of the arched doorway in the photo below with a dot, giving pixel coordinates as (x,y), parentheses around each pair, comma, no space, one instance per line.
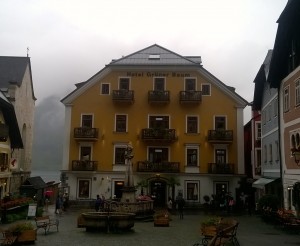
(158,189)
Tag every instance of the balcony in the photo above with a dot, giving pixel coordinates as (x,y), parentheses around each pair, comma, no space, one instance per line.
(220,168)
(3,132)
(160,135)
(126,96)
(159,96)
(78,165)
(162,167)
(190,96)
(86,133)
(220,136)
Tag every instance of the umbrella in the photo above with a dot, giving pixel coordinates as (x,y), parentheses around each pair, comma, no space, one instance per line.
(48,193)
(195,194)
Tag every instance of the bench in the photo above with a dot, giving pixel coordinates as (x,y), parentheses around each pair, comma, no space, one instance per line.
(225,234)
(45,223)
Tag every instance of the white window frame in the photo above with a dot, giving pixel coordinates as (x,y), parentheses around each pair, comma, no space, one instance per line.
(286,98)
(129,82)
(194,196)
(119,145)
(277,150)
(270,153)
(186,129)
(165,82)
(126,130)
(192,147)
(190,78)
(257,131)
(275,107)
(209,89)
(297,92)
(86,114)
(89,182)
(265,154)
(101,89)
(220,116)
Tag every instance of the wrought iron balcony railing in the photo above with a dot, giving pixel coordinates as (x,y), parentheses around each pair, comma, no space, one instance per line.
(123,96)
(190,96)
(159,96)
(4,132)
(153,134)
(162,167)
(78,165)
(86,133)
(221,168)
(220,136)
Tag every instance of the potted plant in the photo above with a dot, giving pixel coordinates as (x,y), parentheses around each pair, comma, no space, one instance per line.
(209,226)
(25,232)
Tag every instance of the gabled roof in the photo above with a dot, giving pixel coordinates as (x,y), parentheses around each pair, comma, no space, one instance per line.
(36,182)
(10,118)
(156,55)
(12,70)
(288,25)
(260,80)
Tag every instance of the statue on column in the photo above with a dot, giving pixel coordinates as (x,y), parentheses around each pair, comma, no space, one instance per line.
(128,157)
(128,194)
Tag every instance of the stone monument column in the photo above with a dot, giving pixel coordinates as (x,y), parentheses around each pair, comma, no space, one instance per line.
(129,189)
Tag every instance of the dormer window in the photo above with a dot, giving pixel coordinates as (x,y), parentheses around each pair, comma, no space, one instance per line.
(154,57)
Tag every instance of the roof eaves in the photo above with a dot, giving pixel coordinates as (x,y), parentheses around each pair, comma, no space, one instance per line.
(227,89)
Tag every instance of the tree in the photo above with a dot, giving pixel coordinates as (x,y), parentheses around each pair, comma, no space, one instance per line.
(143,184)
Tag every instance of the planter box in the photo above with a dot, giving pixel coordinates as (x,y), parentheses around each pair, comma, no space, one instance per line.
(209,231)
(27,236)
(161,220)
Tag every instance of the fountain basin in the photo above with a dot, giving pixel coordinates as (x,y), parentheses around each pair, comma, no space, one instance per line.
(106,221)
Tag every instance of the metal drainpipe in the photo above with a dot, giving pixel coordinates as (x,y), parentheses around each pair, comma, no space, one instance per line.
(279,139)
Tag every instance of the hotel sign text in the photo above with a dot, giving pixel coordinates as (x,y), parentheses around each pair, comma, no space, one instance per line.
(157,74)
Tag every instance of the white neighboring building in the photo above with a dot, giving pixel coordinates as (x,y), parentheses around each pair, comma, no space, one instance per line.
(16,83)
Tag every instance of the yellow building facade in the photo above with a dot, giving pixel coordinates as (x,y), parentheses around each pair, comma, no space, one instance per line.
(185,125)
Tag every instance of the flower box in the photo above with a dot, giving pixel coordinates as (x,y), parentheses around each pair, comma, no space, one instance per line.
(25,232)
(27,236)
(161,219)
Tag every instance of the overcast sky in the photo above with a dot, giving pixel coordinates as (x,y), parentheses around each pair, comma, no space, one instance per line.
(71,40)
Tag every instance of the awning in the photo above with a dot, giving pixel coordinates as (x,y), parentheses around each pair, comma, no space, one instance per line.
(260,183)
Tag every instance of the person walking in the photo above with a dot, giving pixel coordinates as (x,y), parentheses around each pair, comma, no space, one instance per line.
(58,205)
(98,203)
(180,203)
(170,205)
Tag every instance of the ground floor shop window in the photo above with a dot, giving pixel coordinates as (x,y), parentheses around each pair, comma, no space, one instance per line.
(84,187)
(192,190)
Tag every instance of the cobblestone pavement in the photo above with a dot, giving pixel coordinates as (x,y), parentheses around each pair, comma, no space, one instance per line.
(186,232)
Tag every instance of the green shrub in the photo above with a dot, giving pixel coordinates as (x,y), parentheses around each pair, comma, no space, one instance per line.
(19,227)
(211,221)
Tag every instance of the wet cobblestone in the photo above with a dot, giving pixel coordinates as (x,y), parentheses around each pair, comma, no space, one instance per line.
(252,231)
